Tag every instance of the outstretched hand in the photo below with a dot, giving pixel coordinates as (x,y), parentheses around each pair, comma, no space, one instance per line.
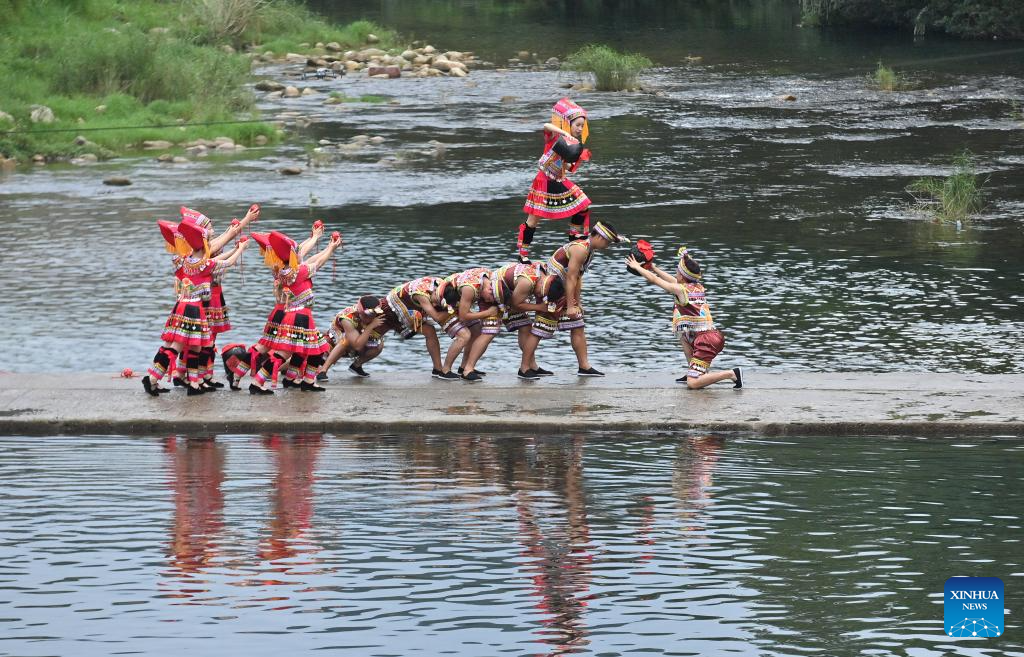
(632,262)
(253,213)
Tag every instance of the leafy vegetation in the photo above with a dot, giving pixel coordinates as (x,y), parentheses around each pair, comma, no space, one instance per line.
(142,64)
(956,198)
(963,18)
(612,70)
(886,79)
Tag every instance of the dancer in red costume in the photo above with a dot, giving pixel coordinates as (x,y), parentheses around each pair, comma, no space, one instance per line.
(297,341)
(552,195)
(240,360)
(187,330)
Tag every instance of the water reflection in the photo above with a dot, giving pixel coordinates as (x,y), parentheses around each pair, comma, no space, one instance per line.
(469,545)
(196,467)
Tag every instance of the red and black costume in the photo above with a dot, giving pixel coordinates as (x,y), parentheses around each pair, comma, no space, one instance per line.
(552,195)
(296,334)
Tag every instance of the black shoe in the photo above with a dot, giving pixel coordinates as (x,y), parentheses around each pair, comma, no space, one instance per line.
(322,376)
(149,387)
(358,370)
(540,371)
(739,377)
(288,383)
(462,369)
(472,377)
(683,379)
(312,387)
(529,375)
(524,260)
(256,390)
(590,371)
(192,392)
(161,391)
(179,382)
(206,386)
(214,384)
(446,376)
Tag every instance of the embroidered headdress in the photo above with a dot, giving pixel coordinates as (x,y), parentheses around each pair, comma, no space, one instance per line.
(563,113)
(281,252)
(688,268)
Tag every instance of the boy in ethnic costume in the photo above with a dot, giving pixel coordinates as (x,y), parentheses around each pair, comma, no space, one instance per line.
(518,289)
(187,330)
(297,341)
(473,286)
(413,303)
(358,334)
(569,263)
(691,320)
(552,195)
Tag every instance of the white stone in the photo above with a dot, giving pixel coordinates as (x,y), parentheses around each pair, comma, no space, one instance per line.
(42,114)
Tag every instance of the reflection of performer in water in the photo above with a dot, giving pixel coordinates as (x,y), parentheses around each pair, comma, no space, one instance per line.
(561,561)
(197,472)
(292,501)
(695,466)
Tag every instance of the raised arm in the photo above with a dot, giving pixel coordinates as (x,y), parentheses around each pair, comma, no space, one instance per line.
(309,243)
(321,258)
(672,287)
(663,274)
(236,253)
(551,127)
(222,240)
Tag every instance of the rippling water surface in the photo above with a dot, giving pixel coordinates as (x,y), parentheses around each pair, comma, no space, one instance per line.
(598,544)
(797,209)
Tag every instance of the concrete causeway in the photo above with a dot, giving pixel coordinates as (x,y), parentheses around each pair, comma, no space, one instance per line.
(771,403)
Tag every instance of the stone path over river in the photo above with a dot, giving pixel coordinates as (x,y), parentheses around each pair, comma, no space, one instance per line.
(920,404)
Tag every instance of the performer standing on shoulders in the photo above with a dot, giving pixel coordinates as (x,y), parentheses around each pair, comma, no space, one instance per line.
(691,320)
(552,195)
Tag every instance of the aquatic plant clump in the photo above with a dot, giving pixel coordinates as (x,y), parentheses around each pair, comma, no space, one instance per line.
(612,70)
(956,198)
(886,79)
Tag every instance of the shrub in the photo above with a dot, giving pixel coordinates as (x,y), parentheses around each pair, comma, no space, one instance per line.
(612,70)
(956,198)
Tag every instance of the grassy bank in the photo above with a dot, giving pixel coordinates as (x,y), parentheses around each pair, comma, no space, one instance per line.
(141,64)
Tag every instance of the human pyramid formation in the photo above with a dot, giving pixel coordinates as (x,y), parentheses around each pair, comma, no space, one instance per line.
(534,300)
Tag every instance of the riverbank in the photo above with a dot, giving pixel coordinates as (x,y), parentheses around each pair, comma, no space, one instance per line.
(97,79)
(771,403)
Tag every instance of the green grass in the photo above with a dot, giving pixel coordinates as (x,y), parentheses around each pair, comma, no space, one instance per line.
(365,98)
(956,198)
(886,79)
(612,70)
(74,55)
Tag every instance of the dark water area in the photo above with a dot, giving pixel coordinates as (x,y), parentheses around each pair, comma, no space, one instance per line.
(797,210)
(604,544)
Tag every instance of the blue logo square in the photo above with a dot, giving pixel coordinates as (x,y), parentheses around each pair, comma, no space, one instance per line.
(973,607)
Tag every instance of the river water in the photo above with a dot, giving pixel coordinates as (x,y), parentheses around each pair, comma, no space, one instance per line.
(599,544)
(797,210)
